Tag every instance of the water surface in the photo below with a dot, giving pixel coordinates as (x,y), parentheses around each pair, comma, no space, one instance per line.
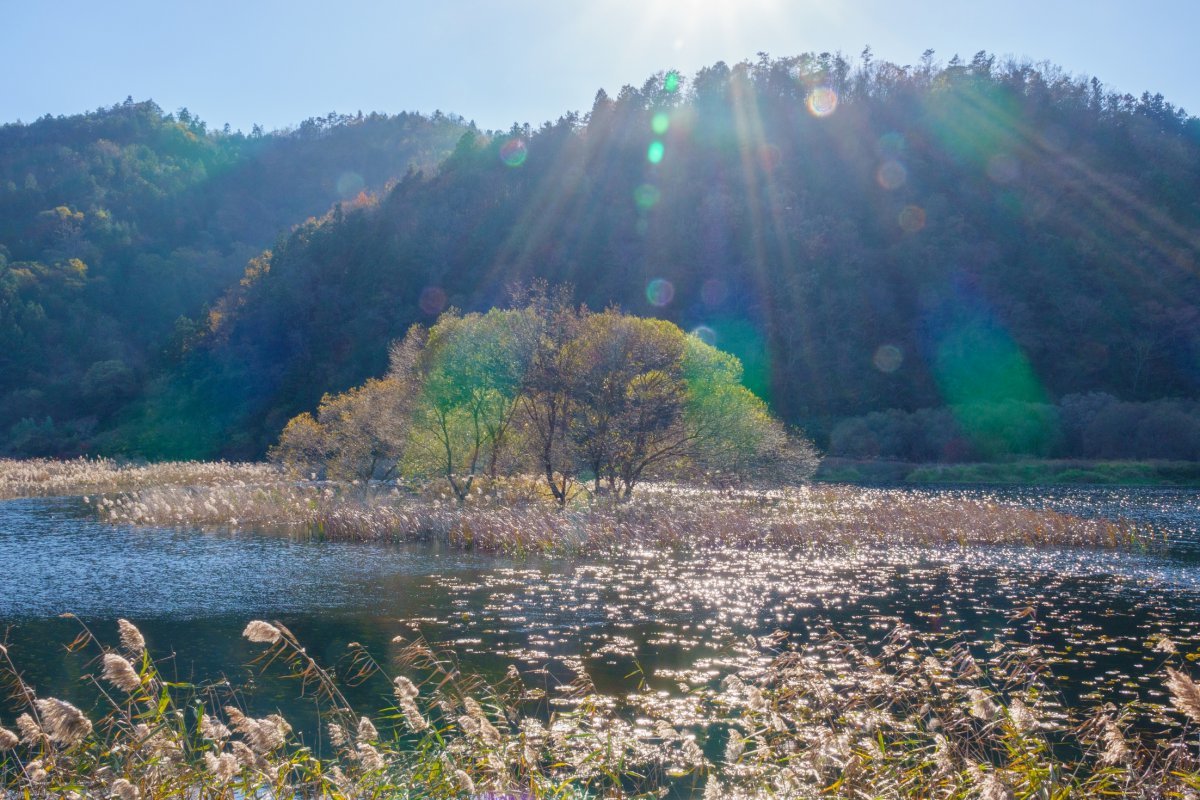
(670,618)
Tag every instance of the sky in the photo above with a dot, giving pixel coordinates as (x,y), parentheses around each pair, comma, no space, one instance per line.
(497,62)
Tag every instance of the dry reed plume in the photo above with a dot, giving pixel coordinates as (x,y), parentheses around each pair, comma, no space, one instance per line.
(663,515)
(48,477)
(904,717)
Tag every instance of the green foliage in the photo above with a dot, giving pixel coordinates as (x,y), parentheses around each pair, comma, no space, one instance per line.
(116,224)
(920,247)
(920,244)
(471,371)
(552,390)
(1093,426)
(910,715)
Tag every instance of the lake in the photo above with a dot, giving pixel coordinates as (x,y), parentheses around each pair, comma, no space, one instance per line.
(671,619)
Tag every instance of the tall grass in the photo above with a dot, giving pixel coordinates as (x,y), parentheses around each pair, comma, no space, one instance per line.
(662,516)
(47,477)
(905,717)
(512,516)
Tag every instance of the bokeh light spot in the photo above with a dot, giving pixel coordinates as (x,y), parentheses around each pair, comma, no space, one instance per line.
(513,152)
(891,175)
(671,82)
(646,196)
(743,339)
(714,291)
(433,300)
(1054,138)
(350,184)
(660,122)
(654,153)
(769,156)
(912,218)
(890,145)
(822,101)
(888,358)
(660,292)
(1003,168)
(705,334)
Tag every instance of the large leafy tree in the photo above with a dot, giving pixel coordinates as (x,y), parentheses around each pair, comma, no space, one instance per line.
(554,390)
(472,368)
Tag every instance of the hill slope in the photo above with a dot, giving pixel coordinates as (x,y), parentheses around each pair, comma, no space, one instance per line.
(117,223)
(864,238)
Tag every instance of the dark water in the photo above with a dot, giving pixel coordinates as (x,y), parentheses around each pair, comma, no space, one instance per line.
(671,619)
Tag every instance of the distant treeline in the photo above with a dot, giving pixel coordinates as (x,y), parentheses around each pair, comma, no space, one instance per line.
(118,228)
(1091,426)
(938,235)
(863,235)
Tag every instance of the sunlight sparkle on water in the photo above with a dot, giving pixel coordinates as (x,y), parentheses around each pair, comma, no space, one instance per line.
(654,153)
(660,292)
(822,101)
(513,152)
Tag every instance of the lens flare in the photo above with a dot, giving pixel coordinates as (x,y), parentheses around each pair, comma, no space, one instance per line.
(660,122)
(513,152)
(655,152)
(671,82)
(991,388)
(714,291)
(660,292)
(891,175)
(1054,138)
(1003,168)
(742,338)
(822,101)
(646,196)
(888,358)
(890,145)
(433,300)
(912,218)
(350,184)
(769,156)
(705,334)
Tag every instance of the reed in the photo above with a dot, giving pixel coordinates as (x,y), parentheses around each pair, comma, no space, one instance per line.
(48,477)
(908,716)
(506,520)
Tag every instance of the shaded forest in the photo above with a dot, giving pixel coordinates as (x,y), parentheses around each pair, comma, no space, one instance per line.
(946,242)
(120,227)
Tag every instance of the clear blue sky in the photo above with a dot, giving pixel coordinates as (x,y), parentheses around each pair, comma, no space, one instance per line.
(276,63)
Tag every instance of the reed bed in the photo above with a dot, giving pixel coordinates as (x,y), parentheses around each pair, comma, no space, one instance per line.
(908,716)
(661,516)
(47,477)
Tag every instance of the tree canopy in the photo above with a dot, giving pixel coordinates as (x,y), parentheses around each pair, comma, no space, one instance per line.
(865,236)
(550,390)
(120,227)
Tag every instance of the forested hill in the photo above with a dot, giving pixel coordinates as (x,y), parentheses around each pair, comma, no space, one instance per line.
(865,236)
(117,223)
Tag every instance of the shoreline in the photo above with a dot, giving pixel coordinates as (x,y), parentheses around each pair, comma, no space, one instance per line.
(1030,472)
